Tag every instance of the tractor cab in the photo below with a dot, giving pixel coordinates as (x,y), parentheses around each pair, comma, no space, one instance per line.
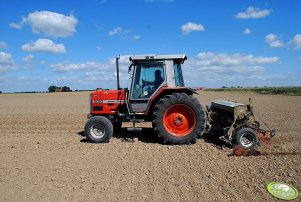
(153,74)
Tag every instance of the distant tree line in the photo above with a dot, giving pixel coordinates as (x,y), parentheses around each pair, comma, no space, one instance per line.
(52,89)
(289,90)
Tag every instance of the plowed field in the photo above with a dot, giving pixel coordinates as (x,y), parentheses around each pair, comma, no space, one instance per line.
(44,157)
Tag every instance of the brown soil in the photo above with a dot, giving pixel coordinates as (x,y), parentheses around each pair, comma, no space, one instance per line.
(44,157)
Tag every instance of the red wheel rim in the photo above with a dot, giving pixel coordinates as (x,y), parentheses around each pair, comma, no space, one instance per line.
(179,120)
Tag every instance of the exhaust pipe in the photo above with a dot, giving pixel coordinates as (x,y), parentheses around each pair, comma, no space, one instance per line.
(117,70)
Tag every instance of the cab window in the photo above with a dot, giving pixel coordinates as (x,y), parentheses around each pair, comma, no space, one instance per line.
(178,75)
(148,78)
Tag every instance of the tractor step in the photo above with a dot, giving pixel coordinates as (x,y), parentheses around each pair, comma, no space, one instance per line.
(137,120)
(133,129)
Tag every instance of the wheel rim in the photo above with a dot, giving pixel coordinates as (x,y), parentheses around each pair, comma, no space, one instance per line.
(97,131)
(247,139)
(179,120)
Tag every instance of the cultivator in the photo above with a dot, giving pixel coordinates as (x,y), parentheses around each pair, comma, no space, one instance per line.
(235,124)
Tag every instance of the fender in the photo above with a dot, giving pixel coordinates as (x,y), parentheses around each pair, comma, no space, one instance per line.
(164,90)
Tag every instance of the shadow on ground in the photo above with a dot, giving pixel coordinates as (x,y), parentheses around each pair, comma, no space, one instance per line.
(145,135)
(214,140)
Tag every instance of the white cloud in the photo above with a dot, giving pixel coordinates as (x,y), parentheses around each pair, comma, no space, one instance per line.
(70,67)
(3,44)
(299,58)
(28,58)
(115,31)
(92,72)
(270,37)
(239,69)
(98,47)
(124,62)
(125,34)
(100,76)
(273,41)
(6,62)
(66,79)
(190,27)
(247,31)
(223,59)
(252,12)
(296,42)
(50,23)
(16,25)
(44,45)
(225,69)
(276,44)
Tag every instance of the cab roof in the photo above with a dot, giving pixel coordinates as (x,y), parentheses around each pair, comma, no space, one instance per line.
(136,58)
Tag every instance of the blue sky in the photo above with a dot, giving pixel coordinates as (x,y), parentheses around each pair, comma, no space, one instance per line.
(74,43)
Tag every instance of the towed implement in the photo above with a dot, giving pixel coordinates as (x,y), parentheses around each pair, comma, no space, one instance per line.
(235,124)
(157,94)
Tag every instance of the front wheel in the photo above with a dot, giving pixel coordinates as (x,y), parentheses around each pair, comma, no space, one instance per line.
(99,129)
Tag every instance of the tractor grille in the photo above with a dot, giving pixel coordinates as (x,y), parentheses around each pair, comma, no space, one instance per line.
(97,108)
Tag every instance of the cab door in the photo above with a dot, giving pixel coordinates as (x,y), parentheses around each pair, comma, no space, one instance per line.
(148,77)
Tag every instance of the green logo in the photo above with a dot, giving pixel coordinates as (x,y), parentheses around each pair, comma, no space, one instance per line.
(282,190)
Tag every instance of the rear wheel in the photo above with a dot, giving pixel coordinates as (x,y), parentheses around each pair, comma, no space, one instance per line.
(246,137)
(99,129)
(179,119)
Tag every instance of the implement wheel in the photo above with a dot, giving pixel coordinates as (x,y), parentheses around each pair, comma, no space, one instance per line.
(179,119)
(246,137)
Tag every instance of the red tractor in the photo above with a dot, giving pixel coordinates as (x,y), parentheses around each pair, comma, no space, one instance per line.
(157,94)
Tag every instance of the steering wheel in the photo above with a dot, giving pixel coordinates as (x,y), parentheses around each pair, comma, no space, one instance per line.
(145,92)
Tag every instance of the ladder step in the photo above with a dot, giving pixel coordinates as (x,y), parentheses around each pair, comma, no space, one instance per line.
(134,129)
(137,120)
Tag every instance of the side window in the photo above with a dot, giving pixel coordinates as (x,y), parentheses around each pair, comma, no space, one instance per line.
(178,74)
(148,78)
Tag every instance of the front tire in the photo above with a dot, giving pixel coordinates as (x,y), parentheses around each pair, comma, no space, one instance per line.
(98,129)
(179,119)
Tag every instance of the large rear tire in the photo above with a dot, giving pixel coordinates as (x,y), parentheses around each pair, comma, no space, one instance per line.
(99,129)
(179,119)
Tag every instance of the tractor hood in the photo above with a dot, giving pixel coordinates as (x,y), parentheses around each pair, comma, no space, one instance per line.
(112,95)
(107,101)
